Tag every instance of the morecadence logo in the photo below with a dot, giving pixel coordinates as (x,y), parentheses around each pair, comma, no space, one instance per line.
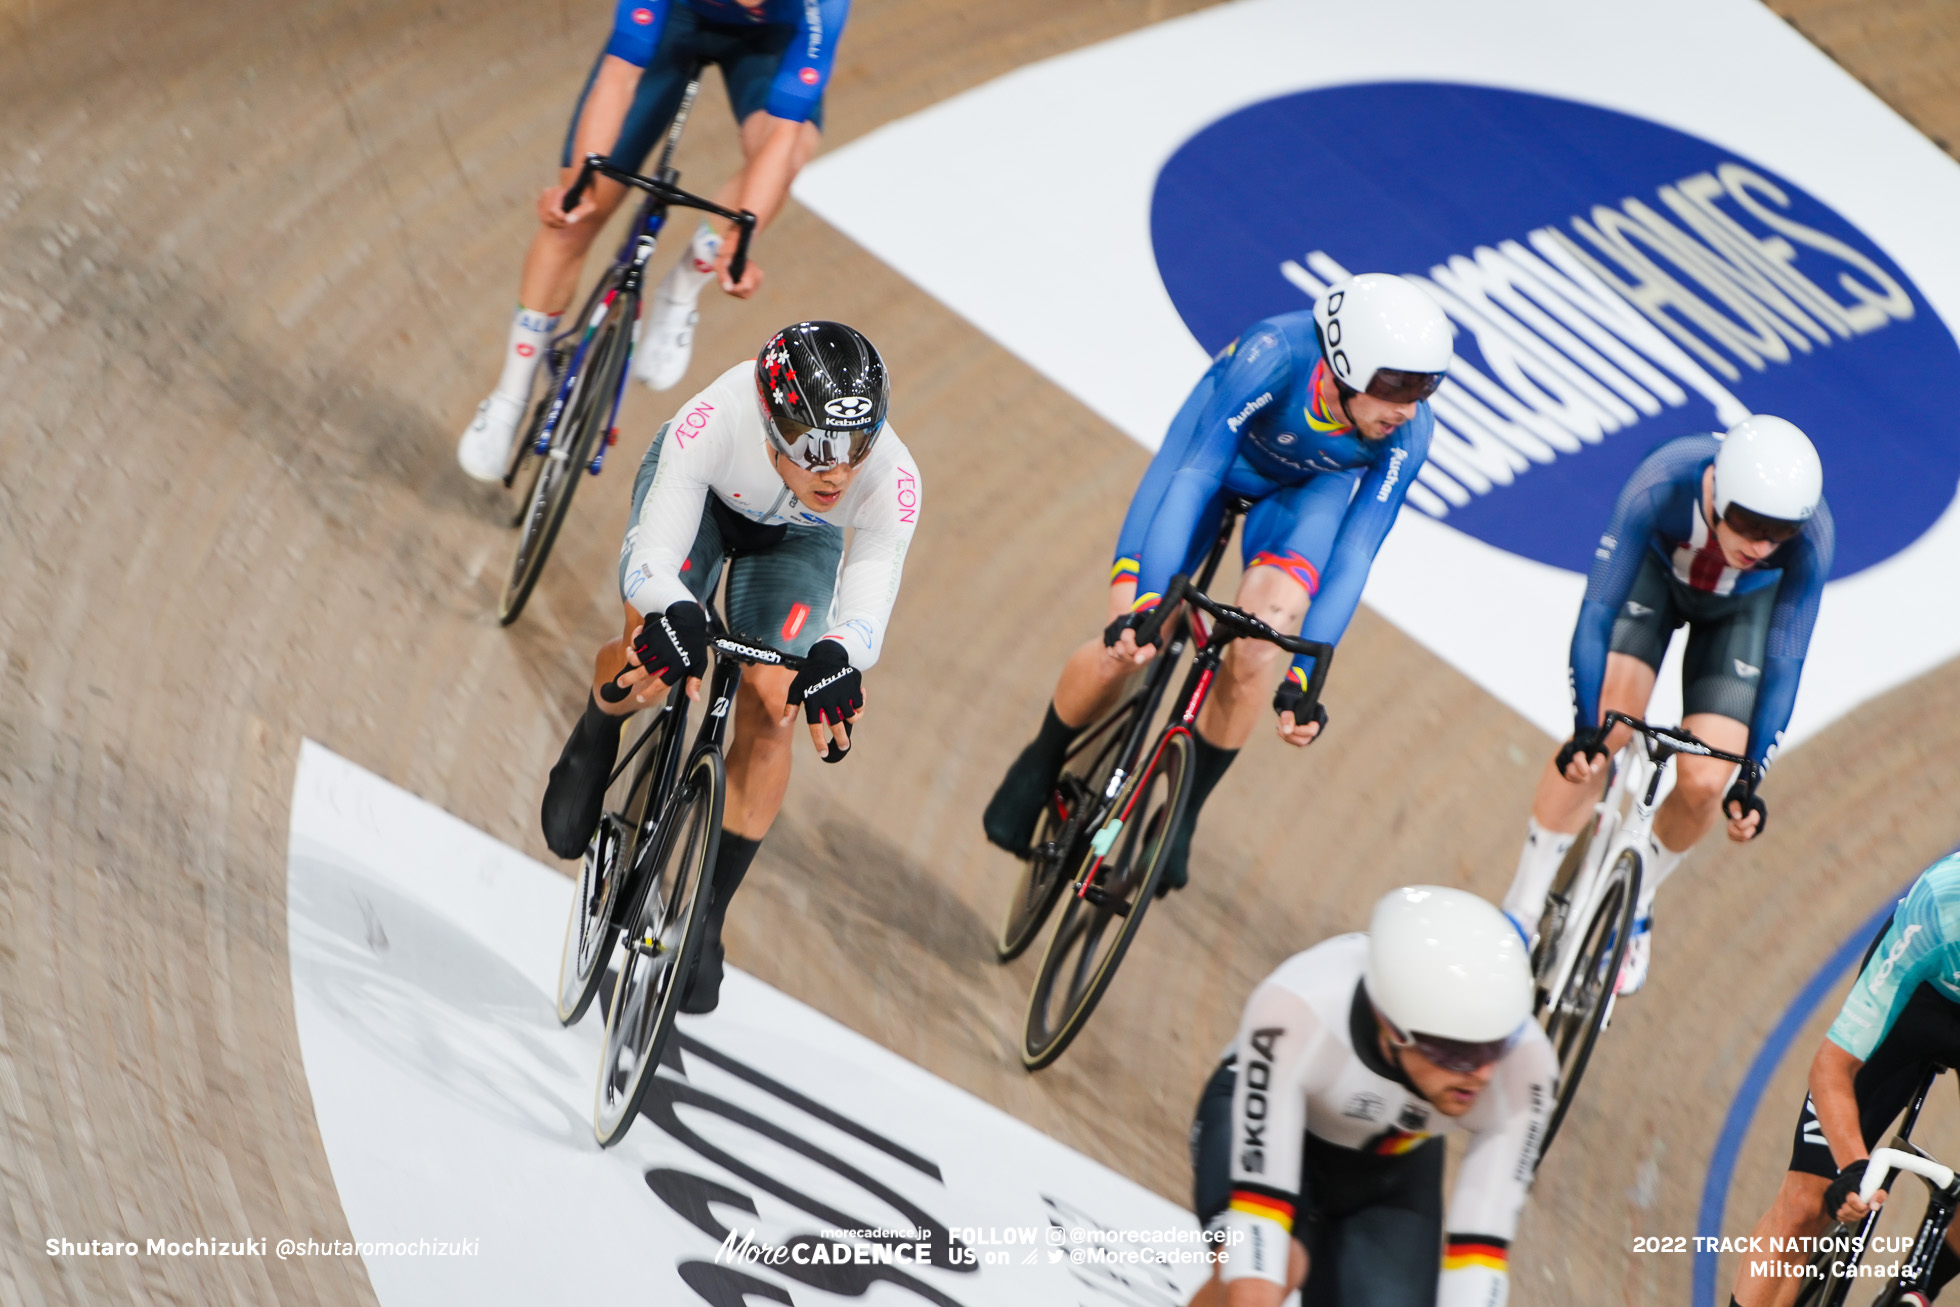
(1614,283)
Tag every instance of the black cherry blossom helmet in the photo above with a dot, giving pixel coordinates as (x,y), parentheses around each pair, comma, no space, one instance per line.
(823,394)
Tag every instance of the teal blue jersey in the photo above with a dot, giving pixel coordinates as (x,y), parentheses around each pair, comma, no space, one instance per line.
(1921,946)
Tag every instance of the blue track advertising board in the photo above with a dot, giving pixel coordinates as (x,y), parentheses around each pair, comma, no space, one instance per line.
(1636,236)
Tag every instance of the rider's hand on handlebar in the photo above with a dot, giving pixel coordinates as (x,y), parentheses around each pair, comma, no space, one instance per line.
(1747,816)
(832,694)
(1288,701)
(1120,640)
(751,281)
(1841,1201)
(551,206)
(1583,757)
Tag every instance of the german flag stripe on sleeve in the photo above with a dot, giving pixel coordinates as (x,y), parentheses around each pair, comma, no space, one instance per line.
(1466,1250)
(1273,1208)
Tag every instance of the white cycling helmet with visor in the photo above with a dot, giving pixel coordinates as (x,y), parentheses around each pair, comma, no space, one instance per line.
(1768,478)
(1382,335)
(823,393)
(1448,974)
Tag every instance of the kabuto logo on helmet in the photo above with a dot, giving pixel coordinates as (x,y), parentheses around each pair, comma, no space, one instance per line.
(1613,285)
(848,410)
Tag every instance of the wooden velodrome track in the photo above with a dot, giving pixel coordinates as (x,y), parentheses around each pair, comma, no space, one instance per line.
(255,262)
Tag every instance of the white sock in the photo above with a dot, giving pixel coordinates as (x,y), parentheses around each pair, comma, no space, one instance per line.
(529,333)
(1661,862)
(695,269)
(1537,865)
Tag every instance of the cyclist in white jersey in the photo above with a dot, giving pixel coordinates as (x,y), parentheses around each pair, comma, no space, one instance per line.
(772,461)
(1318,1148)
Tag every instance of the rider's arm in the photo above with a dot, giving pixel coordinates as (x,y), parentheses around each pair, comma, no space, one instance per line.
(1370,514)
(882,531)
(659,539)
(1495,1178)
(1616,563)
(1260,373)
(1280,1039)
(636,30)
(1179,437)
(1833,1073)
(1798,594)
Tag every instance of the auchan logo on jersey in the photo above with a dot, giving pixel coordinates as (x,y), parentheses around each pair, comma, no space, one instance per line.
(1613,284)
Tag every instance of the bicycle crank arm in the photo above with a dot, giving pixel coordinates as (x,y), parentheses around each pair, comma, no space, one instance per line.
(648,948)
(1102,898)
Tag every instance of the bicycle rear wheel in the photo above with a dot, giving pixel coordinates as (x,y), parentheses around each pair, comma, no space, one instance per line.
(1575,1016)
(1057,847)
(660,944)
(593,927)
(580,432)
(1096,927)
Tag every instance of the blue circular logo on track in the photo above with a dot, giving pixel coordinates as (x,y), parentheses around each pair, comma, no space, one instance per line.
(1614,284)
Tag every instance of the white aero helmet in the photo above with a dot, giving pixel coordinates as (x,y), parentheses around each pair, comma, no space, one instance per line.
(1770,468)
(1448,972)
(1383,335)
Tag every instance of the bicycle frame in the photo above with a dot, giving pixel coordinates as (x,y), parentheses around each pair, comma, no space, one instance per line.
(1638,770)
(627,275)
(1228,624)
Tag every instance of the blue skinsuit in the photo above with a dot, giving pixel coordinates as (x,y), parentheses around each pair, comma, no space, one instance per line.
(1656,511)
(805,70)
(1326,497)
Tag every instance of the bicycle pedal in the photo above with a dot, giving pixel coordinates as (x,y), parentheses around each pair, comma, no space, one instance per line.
(1102,898)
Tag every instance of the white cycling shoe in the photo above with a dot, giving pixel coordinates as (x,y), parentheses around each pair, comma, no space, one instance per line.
(1633,967)
(484,450)
(666,344)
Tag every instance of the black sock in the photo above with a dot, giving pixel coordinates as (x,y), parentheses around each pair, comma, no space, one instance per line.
(597,722)
(1055,737)
(1946,1265)
(731,865)
(1208,766)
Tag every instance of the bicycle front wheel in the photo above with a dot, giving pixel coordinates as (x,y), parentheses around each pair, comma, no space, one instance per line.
(1098,923)
(1575,1016)
(660,945)
(1824,1285)
(1057,847)
(593,927)
(579,434)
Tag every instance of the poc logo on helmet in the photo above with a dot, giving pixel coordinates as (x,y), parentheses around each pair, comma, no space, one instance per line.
(848,408)
(1335,354)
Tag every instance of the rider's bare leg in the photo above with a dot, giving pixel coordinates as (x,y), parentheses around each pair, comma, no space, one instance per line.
(1562,806)
(759,753)
(1094,676)
(1244,688)
(1798,1212)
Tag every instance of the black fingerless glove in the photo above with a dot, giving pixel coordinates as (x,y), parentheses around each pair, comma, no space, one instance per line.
(830,690)
(1113,633)
(674,644)
(1291,698)
(1739,796)
(1843,1187)
(1590,741)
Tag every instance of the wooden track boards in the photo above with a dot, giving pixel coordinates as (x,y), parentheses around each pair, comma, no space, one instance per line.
(254,266)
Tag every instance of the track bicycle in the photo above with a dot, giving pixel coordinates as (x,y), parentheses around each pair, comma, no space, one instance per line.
(1107,824)
(575,421)
(1597,890)
(643,882)
(1832,1270)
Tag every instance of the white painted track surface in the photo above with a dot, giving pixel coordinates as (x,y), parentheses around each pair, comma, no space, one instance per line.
(456,1110)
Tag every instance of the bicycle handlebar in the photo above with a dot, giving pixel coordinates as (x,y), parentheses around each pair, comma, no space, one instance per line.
(1887,1160)
(1681,740)
(743,219)
(1181,590)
